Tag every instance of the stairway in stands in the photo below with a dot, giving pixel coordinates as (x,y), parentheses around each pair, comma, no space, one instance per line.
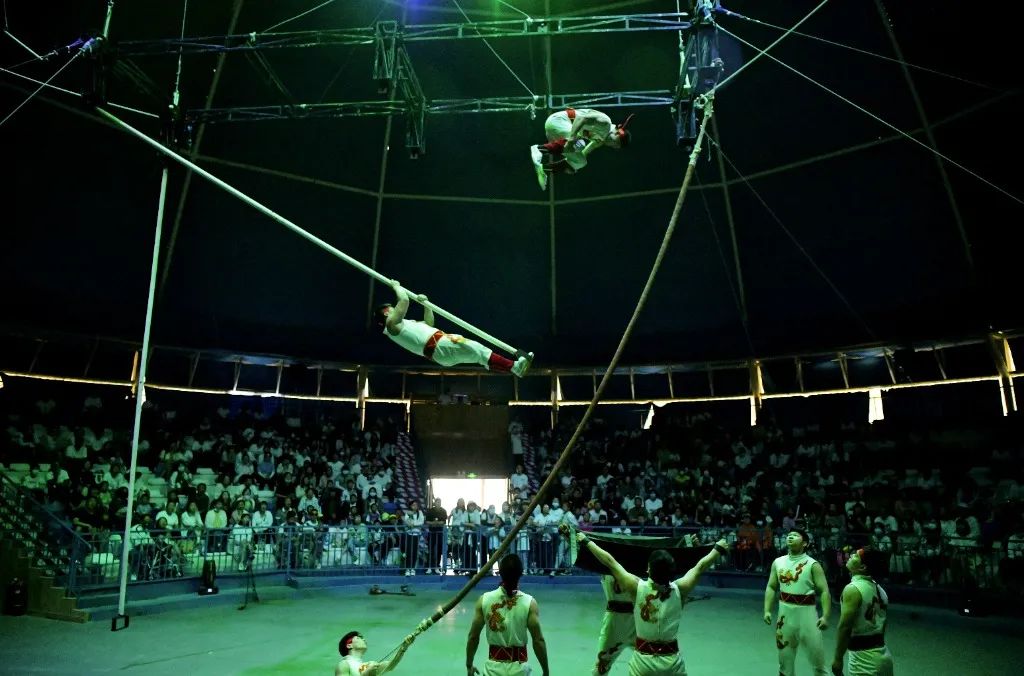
(407,474)
(29,551)
(530,461)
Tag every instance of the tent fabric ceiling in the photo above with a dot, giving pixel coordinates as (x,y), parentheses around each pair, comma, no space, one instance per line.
(874,223)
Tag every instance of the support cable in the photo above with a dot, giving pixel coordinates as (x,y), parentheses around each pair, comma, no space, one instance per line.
(764,52)
(75,94)
(740,309)
(507,67)
(40,87)
(878,119)
(298,16)
(796,242)
(515,9)
(860,51)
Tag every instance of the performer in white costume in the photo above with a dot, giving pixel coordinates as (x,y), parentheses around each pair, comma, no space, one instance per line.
(796,578)
(862,619)
(657,606)
(618,630)
(573,134)
(446,349)
(508,614)
(352,648)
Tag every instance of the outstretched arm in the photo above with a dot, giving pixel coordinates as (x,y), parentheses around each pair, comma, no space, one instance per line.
(627,581)
(473,640)
(687,582)
(377,668)
(540,646)
(397,314)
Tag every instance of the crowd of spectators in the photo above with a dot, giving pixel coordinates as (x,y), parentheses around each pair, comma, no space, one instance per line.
(947,504)
(233,481)
(948,508)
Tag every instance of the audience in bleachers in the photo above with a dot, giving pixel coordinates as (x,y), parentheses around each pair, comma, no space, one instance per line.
(246,485)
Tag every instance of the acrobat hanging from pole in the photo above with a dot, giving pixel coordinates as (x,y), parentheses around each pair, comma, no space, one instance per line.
(446,349)
(573,134)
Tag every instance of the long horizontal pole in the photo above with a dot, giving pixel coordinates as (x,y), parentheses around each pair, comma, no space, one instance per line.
(266,211)
(366,35)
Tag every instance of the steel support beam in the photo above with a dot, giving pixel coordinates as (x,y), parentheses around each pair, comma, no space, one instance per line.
(334,37)
(494,104)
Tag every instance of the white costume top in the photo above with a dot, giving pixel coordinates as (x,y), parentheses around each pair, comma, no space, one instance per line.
(413,335)
(559,126)
(656,619)
(874,603)
(597,129)
(505,617)
(794,573)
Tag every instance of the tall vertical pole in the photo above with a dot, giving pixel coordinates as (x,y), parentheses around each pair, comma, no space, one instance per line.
(194,151)
(140,397)
(549,82)
(380,208)
(732,225)
(392,90)
(930,135)
(106,20)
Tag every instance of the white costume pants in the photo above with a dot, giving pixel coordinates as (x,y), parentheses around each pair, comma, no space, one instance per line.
(656,665)
(797,627)
(453,349)
(492,668)
(557,126)
(618,631)
(874,662)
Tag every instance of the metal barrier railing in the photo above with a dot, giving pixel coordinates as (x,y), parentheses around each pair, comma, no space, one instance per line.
(56,545)
(306,549)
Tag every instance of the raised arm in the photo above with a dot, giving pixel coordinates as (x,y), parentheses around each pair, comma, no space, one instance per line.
(540,646)
(473,640)
(377,668)
(821,586)
(397,314)
(850,607)
(770,590)
(627,581)
(687,582)
(428,314)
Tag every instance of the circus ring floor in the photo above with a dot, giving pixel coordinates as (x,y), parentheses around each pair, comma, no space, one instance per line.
(296,631)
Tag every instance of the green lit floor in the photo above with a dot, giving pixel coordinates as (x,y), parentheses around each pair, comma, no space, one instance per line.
(297,633)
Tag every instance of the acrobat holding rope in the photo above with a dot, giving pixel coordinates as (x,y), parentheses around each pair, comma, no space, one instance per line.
(446,349)
(572,135)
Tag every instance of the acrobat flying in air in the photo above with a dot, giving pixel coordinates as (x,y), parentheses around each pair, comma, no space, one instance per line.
(572,135)
(446,349)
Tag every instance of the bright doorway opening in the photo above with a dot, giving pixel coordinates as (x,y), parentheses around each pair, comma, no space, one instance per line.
(484,492)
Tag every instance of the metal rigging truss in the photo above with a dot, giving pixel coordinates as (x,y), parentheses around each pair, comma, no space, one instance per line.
(622,23)
(494,104)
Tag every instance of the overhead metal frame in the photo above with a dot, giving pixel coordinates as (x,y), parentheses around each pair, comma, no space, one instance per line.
(378,34)
(340,37)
